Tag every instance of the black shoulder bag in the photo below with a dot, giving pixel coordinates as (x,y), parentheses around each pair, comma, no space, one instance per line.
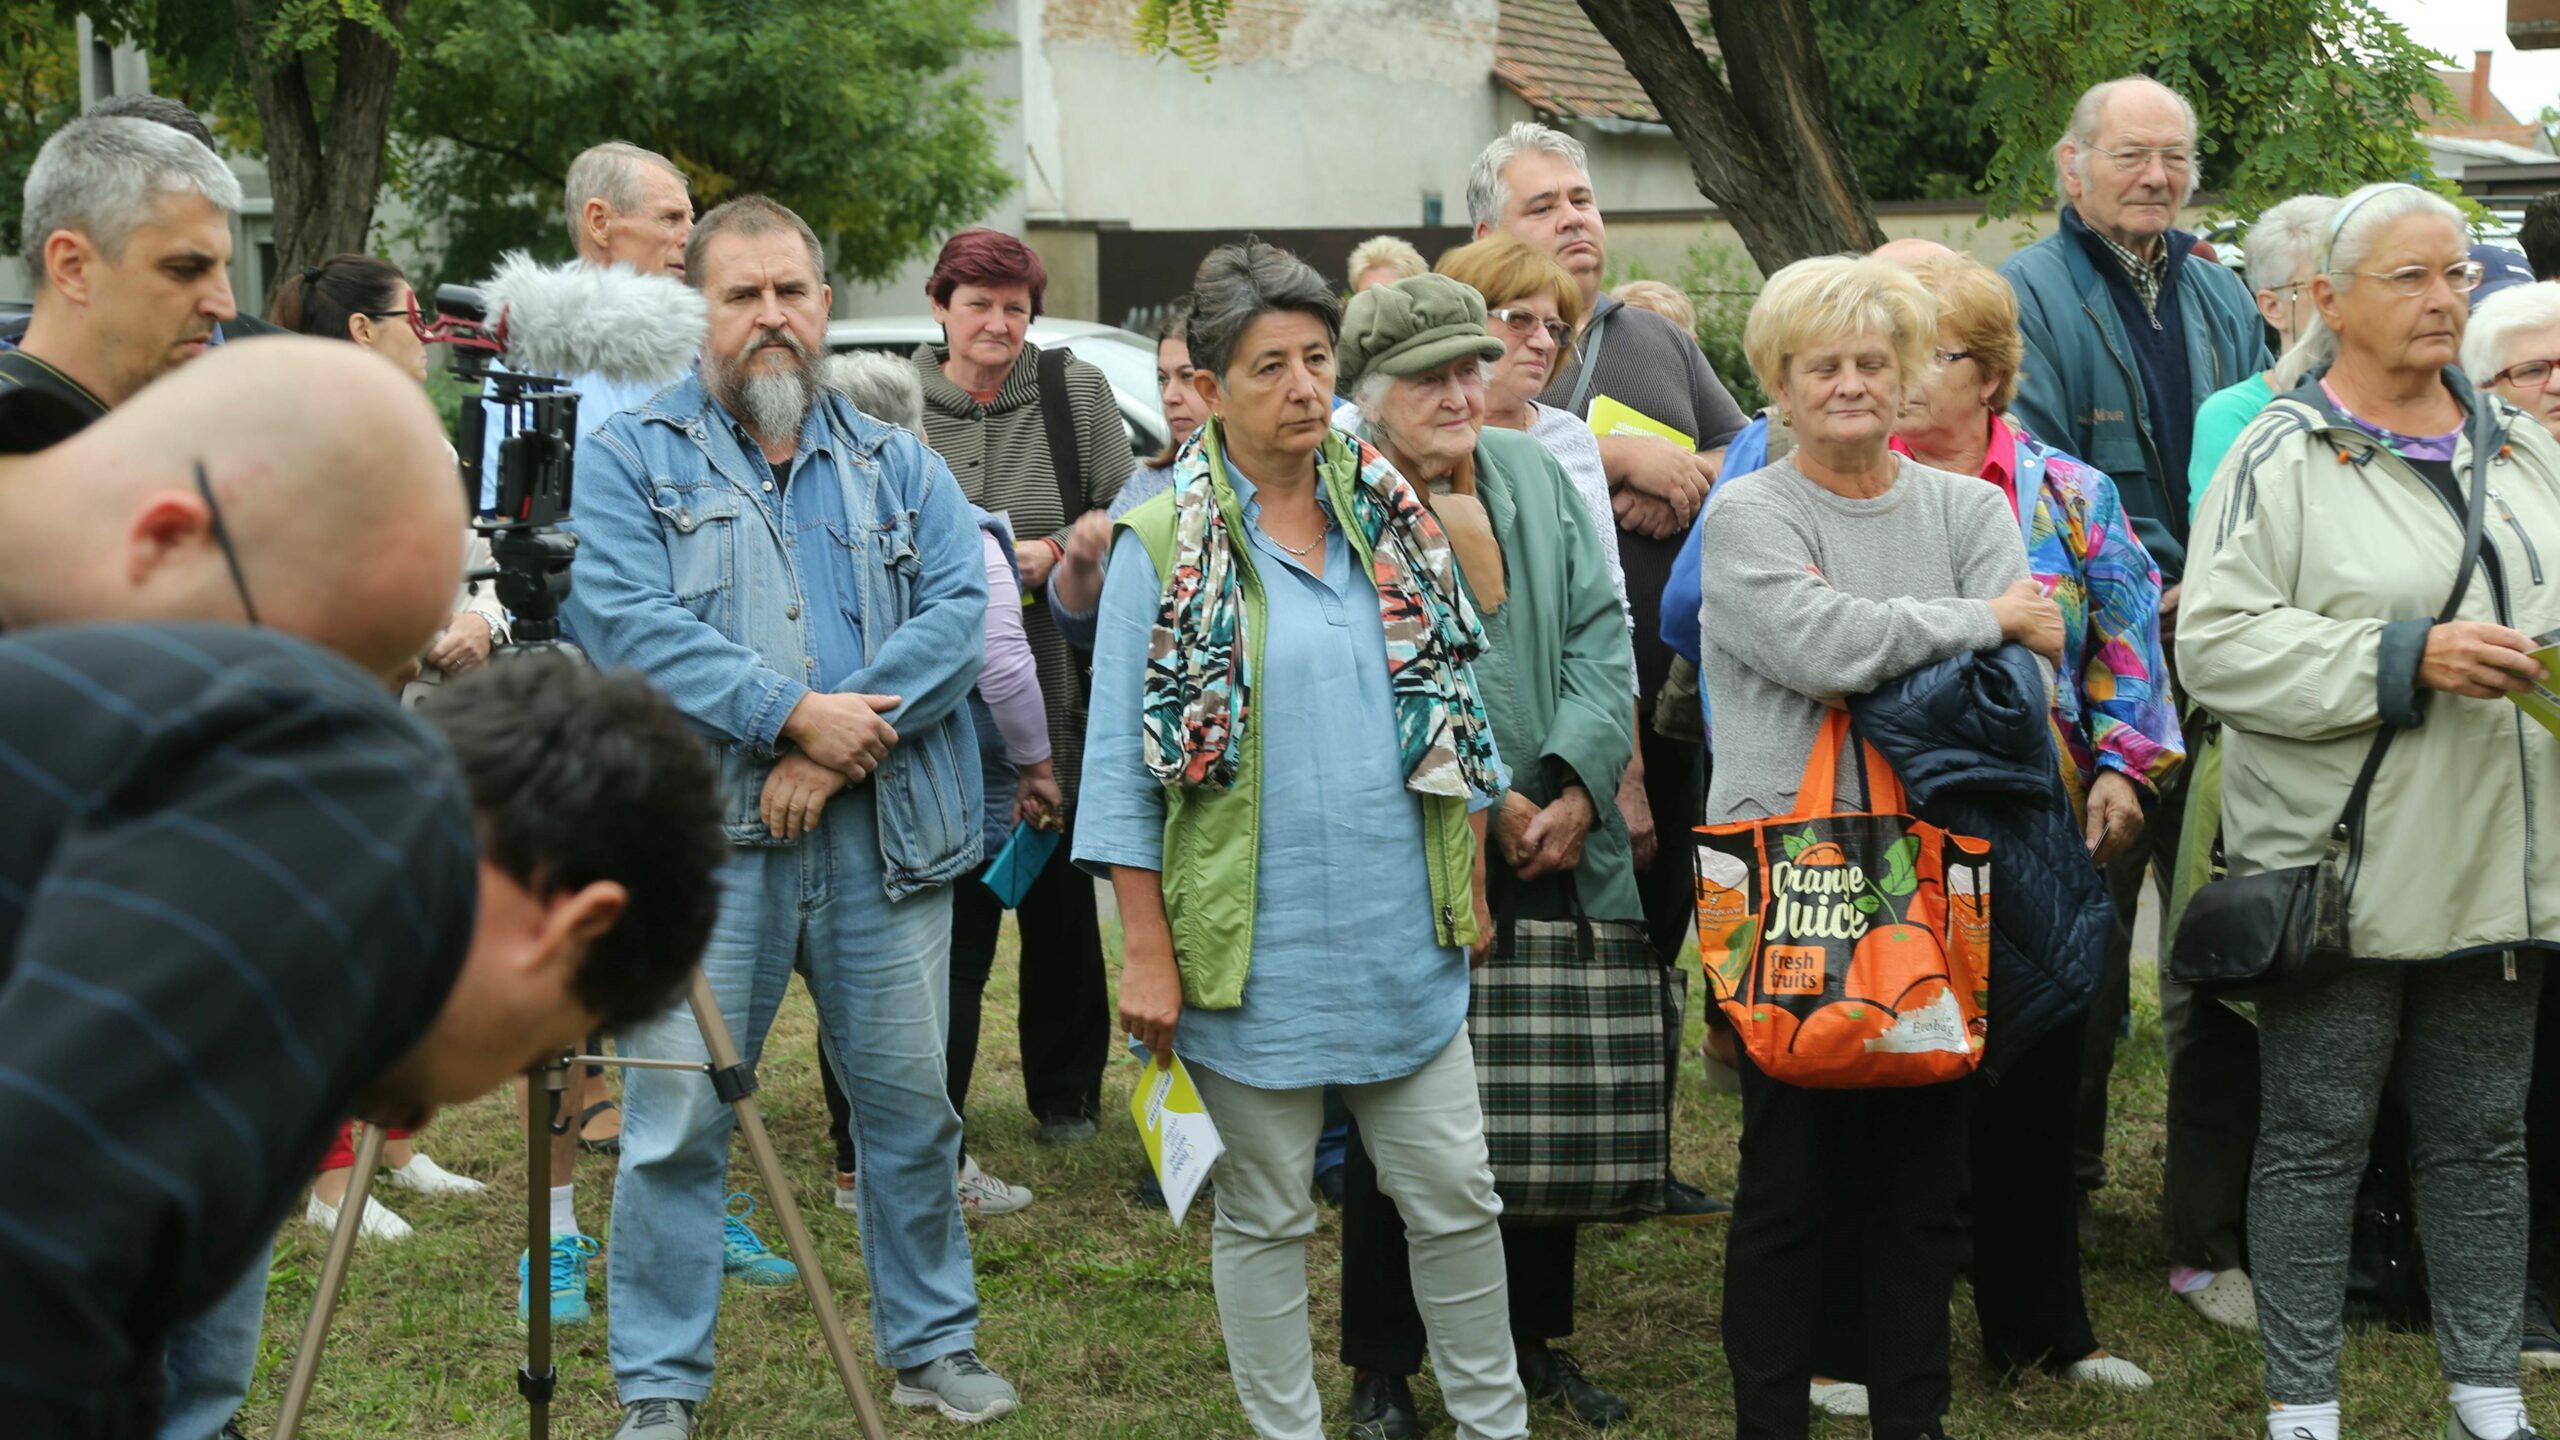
(1058,418)
(2285,927)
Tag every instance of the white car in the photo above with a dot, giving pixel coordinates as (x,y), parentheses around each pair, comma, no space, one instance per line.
(1125,358)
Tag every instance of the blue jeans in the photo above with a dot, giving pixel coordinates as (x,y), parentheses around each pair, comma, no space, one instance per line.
(210,1359)
(879,973)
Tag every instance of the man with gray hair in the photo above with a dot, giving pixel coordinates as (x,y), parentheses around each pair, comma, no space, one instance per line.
(128,244)
(839,722)
(1534,183)
(2126,338)
(629,206)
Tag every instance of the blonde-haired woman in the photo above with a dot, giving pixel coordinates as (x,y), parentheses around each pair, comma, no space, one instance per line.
(1838,569)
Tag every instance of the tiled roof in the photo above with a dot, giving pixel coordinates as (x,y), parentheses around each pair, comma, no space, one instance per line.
(1548,54)
(2460,121)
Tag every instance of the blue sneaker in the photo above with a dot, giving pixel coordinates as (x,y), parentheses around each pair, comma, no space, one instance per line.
(743,1257)
(569,1257)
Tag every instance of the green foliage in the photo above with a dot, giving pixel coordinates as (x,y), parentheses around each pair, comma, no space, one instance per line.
(1184,29)
(39,90)
(1903,99)
(857,115)
(1721,284)
(2292,95)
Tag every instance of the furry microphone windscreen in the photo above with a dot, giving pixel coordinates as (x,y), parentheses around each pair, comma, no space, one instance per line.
(579,319)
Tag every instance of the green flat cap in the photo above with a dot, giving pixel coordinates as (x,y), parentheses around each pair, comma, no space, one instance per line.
(1410,327)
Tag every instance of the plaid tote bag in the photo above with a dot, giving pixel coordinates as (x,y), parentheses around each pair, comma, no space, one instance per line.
(1573,1068)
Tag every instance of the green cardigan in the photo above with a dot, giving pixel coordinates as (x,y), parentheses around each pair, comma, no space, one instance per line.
(1557,675)
(1212,838)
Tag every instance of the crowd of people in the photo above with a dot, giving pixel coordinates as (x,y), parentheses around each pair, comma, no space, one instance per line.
(1462,603)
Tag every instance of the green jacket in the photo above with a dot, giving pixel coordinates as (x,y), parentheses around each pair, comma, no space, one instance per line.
(1212,838)
(1557,671)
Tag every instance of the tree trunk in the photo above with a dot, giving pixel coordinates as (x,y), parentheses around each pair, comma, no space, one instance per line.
(325,176)
(1762,147)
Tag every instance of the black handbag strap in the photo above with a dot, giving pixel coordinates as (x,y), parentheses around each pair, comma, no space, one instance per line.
(1592,335)
(2350,827)
(1057,416)
(1502,894)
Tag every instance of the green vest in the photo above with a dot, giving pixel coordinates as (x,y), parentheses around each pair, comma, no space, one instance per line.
(1213,838)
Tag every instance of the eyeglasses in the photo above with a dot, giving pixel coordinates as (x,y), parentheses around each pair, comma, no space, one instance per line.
(1949,357)
(2529,373)
(222,537)
(2412,280)
(417,322)
(1520,322)
(2176,159)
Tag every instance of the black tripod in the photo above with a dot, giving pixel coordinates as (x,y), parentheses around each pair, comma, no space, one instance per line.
(735,1082)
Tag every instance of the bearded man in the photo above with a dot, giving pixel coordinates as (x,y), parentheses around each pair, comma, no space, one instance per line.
(806,584)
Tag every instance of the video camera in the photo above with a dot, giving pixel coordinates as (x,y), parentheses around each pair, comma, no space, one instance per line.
(537,420)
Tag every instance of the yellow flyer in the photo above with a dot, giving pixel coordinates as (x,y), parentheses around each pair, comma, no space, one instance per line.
(1611,417)
(1175,1128)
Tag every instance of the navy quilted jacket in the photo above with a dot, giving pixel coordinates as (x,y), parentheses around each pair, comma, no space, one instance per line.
(1972,741)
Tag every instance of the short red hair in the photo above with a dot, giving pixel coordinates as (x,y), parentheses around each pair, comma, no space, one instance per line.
(986,258)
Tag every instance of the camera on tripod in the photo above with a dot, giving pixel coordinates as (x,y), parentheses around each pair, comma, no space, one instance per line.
(520,508)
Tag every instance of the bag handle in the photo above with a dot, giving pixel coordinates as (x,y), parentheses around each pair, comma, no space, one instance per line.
(1502,892)
(2349,830)
(1058,421)
(1818,793)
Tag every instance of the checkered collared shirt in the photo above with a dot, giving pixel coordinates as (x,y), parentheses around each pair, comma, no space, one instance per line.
(2147,275)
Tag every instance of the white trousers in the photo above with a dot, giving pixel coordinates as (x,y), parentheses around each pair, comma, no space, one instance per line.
(1426,1133)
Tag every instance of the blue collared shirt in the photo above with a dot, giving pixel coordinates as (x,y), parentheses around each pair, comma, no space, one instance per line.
(1349,982)
(806,500)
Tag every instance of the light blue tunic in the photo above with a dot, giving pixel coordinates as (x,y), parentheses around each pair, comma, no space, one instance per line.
(1349,983)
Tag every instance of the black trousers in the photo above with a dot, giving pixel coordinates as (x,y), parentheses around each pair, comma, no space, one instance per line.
(1065,1013)
(1878,1178)
(1381,1325)
(2542,1141)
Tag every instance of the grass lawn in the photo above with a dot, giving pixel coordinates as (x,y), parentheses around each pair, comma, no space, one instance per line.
(1102,1312)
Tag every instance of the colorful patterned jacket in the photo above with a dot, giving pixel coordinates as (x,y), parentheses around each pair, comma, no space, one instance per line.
(2119,714)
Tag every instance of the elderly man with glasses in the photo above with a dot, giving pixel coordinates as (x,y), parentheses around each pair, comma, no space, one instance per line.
(2126,339)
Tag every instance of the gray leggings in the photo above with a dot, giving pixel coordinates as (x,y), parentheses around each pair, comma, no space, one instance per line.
(2464,1037)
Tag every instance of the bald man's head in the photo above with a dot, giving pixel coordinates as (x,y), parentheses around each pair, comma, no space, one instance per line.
(329,475)
(1909,251)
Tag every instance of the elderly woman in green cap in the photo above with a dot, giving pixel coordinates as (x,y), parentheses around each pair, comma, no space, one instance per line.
(1555,673)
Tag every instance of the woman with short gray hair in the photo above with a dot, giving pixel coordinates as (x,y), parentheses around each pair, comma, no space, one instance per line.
(2334,538)
(1285,782)
(2513,349)
(2284,253)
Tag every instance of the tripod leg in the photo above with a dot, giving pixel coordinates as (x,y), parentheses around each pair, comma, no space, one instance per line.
(542,1100)
(737,1088)
(333,1274)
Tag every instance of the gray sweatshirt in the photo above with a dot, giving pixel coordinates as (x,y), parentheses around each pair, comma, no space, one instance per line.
(1808,594)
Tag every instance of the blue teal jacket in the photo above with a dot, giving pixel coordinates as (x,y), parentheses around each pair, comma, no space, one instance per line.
(2080,391)
(685,573)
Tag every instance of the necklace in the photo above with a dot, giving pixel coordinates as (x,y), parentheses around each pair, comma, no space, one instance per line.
(1324,526)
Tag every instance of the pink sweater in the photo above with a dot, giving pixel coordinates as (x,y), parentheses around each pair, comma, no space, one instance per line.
(1010,683)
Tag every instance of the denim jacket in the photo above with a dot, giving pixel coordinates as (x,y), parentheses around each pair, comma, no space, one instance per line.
(685,573)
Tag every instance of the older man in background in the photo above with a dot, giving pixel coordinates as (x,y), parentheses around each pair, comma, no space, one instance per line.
(2127,336)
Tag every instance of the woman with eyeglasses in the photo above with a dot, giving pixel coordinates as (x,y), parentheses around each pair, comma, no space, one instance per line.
(2514,351)
(2284,251)
(368,301)
(2331,542)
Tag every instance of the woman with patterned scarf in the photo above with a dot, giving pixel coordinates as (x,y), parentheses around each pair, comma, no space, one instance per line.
(1285,782)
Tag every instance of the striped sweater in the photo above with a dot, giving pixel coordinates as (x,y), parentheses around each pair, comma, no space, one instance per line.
(1000,454)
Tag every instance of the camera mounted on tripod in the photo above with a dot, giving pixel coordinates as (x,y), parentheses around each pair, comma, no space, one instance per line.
(536,417)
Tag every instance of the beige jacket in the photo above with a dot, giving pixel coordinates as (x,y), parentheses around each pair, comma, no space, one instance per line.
(2314,573)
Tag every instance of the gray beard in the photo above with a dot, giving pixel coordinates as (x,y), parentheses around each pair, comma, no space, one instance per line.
(771,405)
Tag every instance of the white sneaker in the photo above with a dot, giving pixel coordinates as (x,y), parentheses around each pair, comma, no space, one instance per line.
(2111,1372)
(429,1178)
(378,1223)
(848,1199)
(984,1194)
(2227,1300)
(1840,1399)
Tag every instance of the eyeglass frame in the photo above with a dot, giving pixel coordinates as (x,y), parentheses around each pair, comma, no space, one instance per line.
(2507,376)
(2135,160)
(222,538)
(1557,330)
(1949,357)
(2472,270)
(417,319)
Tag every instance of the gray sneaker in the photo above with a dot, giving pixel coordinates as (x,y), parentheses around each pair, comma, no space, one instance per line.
(656,1420)
(958,1384)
